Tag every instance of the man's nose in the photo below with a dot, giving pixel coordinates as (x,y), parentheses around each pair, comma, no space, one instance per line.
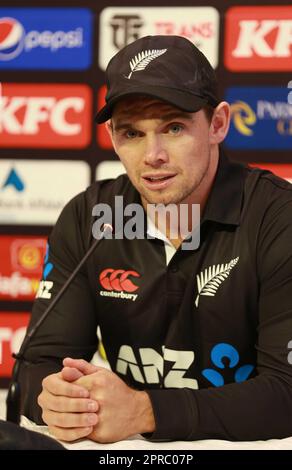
(155,153)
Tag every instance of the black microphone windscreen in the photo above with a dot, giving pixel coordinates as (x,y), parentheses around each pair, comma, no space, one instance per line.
(14,437)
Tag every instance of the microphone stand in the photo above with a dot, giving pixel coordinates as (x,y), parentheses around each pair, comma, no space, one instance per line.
(13,400)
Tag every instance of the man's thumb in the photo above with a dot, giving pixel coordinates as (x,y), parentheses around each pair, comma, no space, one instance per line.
(80,364)
(70,374)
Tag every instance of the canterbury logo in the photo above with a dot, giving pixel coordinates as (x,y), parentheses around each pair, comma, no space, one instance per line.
(117,280)
(143,59)
(209,280)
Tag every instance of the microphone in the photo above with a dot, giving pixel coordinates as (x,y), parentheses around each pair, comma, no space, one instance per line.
(13,400)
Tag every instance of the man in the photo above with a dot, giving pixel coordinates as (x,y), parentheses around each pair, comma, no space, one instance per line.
(197,339)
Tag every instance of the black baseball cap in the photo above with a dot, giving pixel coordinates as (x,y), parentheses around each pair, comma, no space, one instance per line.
(169,68)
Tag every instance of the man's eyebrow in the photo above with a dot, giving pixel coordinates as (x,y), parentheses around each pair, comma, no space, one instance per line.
(166,117)
(122,125)
(176,115)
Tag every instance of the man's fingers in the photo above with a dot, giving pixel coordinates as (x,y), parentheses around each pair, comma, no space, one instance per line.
(80,364)
(65,404)
(69,435)
(69,420)
(71,374)
(55,385)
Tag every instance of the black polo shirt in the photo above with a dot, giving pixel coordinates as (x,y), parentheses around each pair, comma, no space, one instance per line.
(206,335)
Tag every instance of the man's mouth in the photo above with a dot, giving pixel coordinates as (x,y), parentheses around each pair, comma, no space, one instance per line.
(159,181)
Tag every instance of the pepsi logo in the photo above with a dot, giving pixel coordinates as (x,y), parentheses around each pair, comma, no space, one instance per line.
(11,38)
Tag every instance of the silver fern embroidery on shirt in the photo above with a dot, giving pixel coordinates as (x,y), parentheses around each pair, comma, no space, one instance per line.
(143,59)
(209,280)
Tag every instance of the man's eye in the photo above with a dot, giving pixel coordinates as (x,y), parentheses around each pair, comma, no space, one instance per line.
(175,128)
(131,134)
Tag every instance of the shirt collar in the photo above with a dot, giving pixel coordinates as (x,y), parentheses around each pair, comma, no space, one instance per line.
(225,199)
(153,232)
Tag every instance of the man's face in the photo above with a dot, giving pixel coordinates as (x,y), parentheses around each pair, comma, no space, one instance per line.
(165,151)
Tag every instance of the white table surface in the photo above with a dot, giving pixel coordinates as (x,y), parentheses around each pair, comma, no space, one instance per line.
(139,443)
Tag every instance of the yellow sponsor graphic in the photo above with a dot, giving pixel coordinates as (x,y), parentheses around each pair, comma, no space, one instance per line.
(284,127)
(243,116)
(35,285)
(29,256)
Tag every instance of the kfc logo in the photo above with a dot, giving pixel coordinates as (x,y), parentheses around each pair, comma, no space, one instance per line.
(259,38)
(45,115)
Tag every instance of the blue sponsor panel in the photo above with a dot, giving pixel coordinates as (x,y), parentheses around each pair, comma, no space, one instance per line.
(261,118)
(45,38)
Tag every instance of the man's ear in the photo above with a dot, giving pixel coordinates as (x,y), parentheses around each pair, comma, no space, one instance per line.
(220,123)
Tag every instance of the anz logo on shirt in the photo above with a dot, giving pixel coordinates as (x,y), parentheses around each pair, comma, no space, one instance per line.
(44,290)
(153,366)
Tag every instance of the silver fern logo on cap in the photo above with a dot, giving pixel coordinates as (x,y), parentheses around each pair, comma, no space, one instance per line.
(143,59)
(209,280)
